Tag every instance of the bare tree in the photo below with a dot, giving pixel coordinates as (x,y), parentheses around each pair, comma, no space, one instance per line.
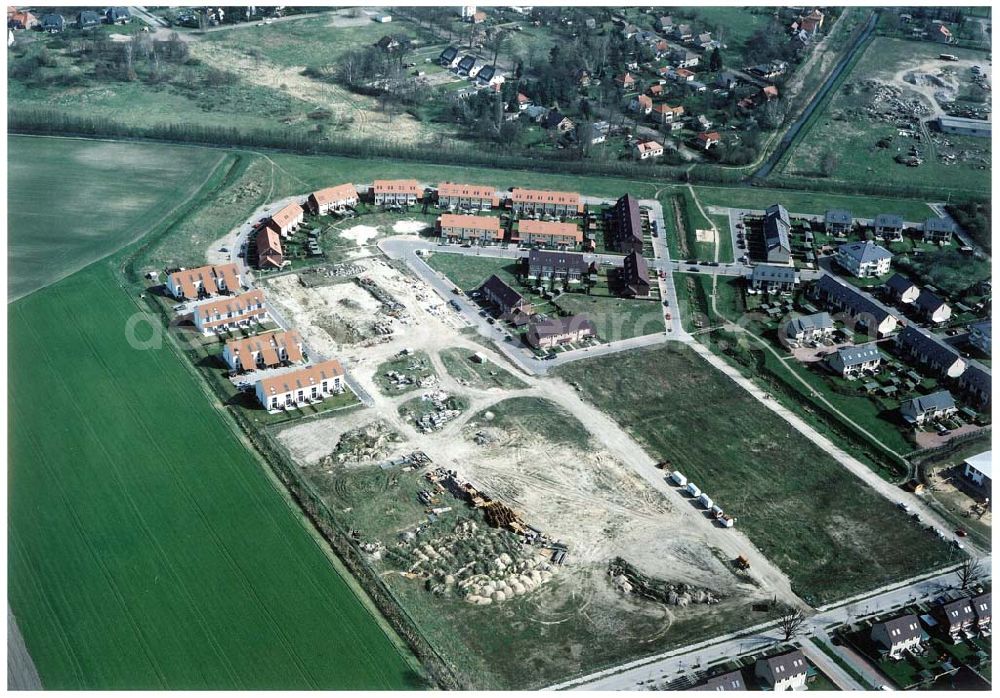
(790,622)
(969,570)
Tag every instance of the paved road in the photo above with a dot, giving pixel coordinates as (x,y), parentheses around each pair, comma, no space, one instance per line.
(638,674)
(150,19)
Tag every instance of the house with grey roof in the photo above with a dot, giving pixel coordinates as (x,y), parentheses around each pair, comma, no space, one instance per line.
(865,312)
(888,227)
(777,227)
(784,672)
(809,328)
(938,230)
(930,351)
(768,278)
(88,19)
(53,23)
(624,223)
(980,336)
(898,635)
(931,307)
(851,362)
(635,276)
(863,259)
(928,408)
(977,385)
(956,617)
(507,300)
(730,681)
(838,221)
(546,265)
(901,290)
(978,470)
(982,606)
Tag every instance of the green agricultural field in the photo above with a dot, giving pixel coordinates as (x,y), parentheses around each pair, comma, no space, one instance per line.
(147,547)
(484,375)
(824,528)
(77,201)
(841,128)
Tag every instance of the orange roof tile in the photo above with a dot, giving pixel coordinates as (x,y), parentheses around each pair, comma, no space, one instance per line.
(475,191)
(554,228)
(302,379)
(209,277)
(396,186)
(538,196)
(337,193)
(488,223)
(287,215)
(268,346)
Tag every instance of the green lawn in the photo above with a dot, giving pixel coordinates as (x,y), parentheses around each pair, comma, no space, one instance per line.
(468,272)
(459,363)
(819,524)
(77,201)
(616,318)
(414,366)
(147,547)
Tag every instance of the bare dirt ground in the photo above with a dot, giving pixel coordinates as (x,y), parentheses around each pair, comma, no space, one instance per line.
(936,82)
(604,499)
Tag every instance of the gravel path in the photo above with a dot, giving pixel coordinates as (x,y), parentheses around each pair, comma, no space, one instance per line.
(21,672)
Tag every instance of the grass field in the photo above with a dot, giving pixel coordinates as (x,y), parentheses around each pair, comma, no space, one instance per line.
(468,272)
(459,364)
(77,201)
(825,529)
(539,417)
(853,137)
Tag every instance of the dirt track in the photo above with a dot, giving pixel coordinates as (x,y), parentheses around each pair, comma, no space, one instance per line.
(21,672)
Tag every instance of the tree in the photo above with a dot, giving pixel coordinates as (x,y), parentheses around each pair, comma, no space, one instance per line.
(715,61)
(969,570)
(790,622)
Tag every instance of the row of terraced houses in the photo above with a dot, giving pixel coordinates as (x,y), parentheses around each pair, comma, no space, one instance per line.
(221,302)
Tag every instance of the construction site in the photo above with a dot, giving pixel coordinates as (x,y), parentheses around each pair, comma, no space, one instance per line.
(513,503)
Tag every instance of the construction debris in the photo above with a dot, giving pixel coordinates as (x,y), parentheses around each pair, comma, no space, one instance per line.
(628,580)
(363,445)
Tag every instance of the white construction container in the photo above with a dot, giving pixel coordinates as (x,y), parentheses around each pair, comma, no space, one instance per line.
(727,521)
(678,477)
(693,490)
(705,501)
(717,511)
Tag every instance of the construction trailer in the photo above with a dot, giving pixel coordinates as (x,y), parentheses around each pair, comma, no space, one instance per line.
(692,489)
(678,477)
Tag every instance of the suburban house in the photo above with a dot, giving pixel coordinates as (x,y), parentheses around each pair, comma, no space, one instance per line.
(982,605)
(978,470)
(623,225)
(555,331)
(769,92)
(928,408)
(635,276)
(396,192)
(939,32)
(655,90)
(118,15)
(88,19)
(838,221)
(730,681)
(466,64)
(286,219)
(683,32)
(582,77)
(667,24)
(664,113)
(901,290)
(333,199)
(489,75)
(768,278)
(480,196)
(785,672)
(543,265)
(930,351)
(309,384)
(956,617)
(203,282)
(21,19)
(523,101)
(980,336)
(888,227)
(598,132)
(864,310)
(897,636)
(625,81)
(777,226)
(557,203)
(851,362)
(931,307)
(268,350)
(551,233)
(863,259)
(485,230)
(648,149)
(230,312)
(683,75)
(507,300)
(448,56)
(269,252)
(53,23)
(707,140)
(975,381)
(702,122)
(728,80)
(938,230)
(643,104)
(683,58)
(809,328)
(555,119)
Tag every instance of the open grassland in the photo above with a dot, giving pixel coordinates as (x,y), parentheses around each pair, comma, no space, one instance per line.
(812,202)
(478,374)
(838,128)
(468,273)
(827,531)
(76,201)
(147,546)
